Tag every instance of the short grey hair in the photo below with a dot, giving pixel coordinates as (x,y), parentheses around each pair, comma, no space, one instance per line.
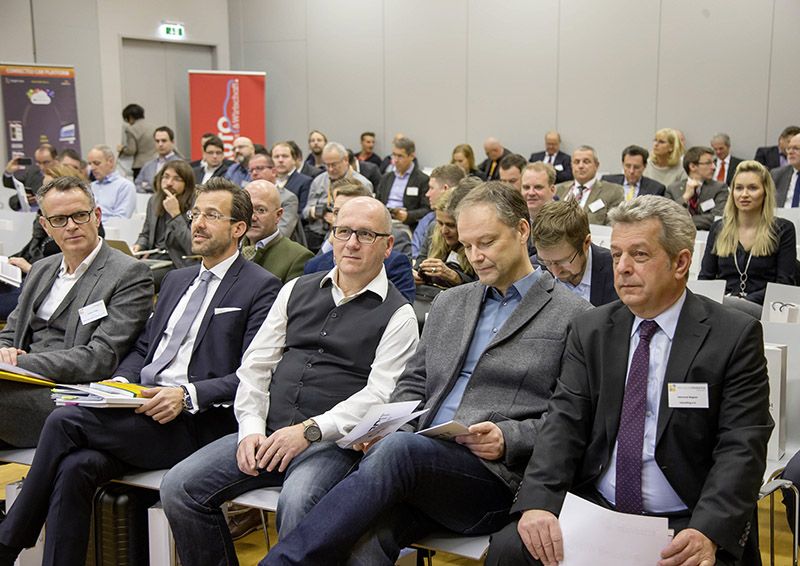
(107,152)
(677,228)
(724,138)
(336,147)
(587,148)
(66,184)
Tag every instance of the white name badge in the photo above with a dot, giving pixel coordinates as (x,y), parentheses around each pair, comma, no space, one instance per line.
(687,395)
(559,167)
(596,205)
(412,191)
(707,205)
(93,312)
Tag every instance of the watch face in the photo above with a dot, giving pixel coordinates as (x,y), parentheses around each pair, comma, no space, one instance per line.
(312,433)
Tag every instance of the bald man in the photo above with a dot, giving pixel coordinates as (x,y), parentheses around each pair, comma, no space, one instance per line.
(552,155)
(243,149)
(494,151)
(264,243)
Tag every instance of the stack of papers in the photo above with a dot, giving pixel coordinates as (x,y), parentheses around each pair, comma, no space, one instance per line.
(104,394)
(14,373)
(379,421)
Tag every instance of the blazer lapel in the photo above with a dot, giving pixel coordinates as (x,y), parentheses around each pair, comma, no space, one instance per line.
(222,290)
(167,304)
(615,369)
(690,334)
(79,294)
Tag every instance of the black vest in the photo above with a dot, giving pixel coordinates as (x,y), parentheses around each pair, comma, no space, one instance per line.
(329,350)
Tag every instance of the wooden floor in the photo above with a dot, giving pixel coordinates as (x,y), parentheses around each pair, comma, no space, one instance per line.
(252,548)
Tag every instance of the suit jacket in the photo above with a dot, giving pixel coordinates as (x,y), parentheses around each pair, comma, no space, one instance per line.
(91,351)
(246,293)
(514,378)
(782,176)
(713,458)
(609,193)
(299,184)
(178,237)
(370,171)
(417,204)
(602,290)
(283,258)
(769,156)
(731,170)
(486,165)
(562,164)
(139,142)
(310,171)
(709,191)
(199,171)
(647,186)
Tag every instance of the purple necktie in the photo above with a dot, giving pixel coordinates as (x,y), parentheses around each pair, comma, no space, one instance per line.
(631,426)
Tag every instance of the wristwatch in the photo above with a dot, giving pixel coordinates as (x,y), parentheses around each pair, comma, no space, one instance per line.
(187,399)
(311,431)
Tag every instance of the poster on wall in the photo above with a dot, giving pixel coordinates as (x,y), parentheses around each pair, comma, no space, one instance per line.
(229,104)
(39,106)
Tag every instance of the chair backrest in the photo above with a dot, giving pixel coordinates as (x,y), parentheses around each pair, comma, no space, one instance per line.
(778,299)
(713,289)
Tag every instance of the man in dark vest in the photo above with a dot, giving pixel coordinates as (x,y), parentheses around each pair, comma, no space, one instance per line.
(333,344)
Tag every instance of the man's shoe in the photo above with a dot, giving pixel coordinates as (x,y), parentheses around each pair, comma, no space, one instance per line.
(241,521)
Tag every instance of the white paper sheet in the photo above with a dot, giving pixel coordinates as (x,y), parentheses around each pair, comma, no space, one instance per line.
(595,535)
(21,194)
(379,421)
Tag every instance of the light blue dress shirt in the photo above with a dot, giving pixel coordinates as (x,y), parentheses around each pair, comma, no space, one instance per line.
(395,198)
(115,195)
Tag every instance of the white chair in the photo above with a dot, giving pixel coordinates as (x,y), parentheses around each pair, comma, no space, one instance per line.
(601,235)
(714,289)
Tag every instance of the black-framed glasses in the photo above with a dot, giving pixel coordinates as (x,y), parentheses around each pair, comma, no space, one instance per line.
(560,263)
(211,216)
(363,236)
(61,220)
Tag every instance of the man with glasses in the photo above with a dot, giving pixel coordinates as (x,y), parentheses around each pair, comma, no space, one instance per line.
(564,247)
(187,355)
(332,346)
(337,166)
(79,312)
(213,163)
(243,149)
(700,194)
(787,178)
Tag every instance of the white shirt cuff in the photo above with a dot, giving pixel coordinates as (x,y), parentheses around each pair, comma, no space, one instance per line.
(252,425)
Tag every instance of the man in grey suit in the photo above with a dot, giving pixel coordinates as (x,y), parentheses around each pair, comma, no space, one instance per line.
(78,314)
(595,196)
(700,194)
(488,359)
(633,181)
(786,177)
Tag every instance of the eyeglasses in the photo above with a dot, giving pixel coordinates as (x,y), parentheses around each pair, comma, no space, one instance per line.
(60,220)
(560,263)
(705,162)
(363,236)
(212,216)
(258,168)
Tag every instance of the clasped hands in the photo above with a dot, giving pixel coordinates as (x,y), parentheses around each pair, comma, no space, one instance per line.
(276,451)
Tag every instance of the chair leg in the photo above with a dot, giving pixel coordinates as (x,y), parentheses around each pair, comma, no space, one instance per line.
(265,526)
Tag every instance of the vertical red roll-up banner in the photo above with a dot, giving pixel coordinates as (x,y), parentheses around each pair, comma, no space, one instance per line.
(229,104)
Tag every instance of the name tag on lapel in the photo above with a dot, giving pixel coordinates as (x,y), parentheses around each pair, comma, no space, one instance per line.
(412,191)
(559,167)
(93,312)
(596,205)
(707,205)
(223,310)
(687,395)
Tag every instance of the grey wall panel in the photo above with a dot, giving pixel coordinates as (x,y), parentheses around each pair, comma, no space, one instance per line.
(701,86)
(425,59)
(273,20)
(511,73)
(287,95)
(345,70)
(784,84)
(607,75)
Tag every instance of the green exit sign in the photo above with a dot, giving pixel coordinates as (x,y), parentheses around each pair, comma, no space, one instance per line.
(172,30)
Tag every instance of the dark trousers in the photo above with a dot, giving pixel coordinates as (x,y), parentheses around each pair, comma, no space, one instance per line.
(80,449)
(791,473)
(405,487)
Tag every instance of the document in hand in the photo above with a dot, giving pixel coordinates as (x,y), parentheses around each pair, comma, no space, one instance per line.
(99,395)
(10,274)
(14,373)
(595,535)
(445,431)
(379,421)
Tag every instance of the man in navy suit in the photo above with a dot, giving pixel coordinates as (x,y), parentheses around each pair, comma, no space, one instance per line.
(188,353)
(634,159)
(564,247)
(288,177)
(553,155)
(774,156)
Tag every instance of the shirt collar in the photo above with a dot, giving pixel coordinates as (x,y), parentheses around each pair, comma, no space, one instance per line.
(379,284)
(264,241)
(83,267)
(588,185)
(407,173)
(221,268)
(587,272)
(667,320)
(167,157)
(519,287)
(108,178)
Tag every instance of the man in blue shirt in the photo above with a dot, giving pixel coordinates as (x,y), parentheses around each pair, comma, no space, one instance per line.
(115,195)
(488,358)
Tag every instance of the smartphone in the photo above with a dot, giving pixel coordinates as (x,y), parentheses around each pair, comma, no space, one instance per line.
(24,161)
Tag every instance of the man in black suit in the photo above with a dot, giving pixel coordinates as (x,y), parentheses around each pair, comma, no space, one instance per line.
(31,176)
(787,178)
(403,190)
(494,153)
(552,155)
(366,168)
(564,247)
(511,167)
(774,156)
(634,159)
(288,177)
(725,164)
(213,163)
(624,431)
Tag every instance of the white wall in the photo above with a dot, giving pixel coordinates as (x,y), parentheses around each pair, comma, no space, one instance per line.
(604,73)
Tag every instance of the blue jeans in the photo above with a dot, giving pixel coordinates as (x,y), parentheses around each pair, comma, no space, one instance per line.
(193,490)
(407,486)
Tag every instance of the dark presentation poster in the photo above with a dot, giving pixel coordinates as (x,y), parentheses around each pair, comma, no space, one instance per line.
(39,106)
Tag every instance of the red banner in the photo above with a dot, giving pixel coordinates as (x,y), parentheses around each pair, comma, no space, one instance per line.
(230,104)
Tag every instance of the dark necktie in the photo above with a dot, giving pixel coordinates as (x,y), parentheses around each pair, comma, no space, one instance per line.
(150,371)
(630,437)
(796,195)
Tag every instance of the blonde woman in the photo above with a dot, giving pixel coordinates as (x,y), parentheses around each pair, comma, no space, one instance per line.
(665,164)
(750,246)
(464,157)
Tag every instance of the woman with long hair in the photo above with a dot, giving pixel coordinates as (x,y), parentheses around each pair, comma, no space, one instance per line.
(750,246)
(464,157)
(665,164)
